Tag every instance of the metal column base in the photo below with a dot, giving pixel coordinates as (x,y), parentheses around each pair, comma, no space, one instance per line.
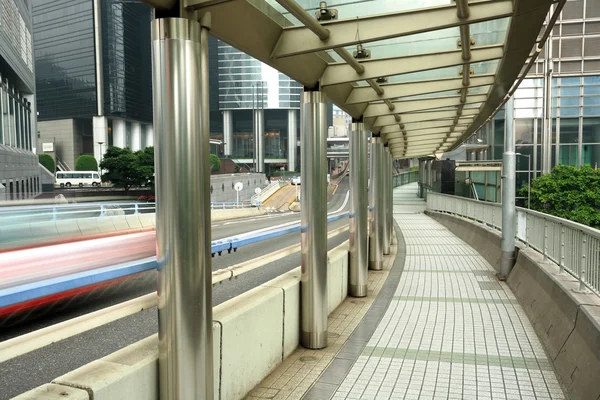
(506,264)
(314,340)
(358,290)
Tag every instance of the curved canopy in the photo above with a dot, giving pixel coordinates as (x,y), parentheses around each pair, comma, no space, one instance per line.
(424,74)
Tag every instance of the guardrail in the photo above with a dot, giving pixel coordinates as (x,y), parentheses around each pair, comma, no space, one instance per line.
(30,291)
(20,214)
(574,247)
(259,198)
(405,178)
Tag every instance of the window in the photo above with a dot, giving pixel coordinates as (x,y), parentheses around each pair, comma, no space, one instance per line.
(569,130)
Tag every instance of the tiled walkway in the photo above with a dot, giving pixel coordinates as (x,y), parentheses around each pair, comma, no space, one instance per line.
(452,331)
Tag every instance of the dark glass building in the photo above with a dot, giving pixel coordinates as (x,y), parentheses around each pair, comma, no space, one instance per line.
(94,75)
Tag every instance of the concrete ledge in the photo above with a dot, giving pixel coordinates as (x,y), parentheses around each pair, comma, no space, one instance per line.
(252,334)
(484,239)
(566,321)
(224,215)
(50,391)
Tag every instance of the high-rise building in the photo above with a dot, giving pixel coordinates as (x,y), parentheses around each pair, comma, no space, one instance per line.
(93,76)
(19,168)
(255,110)
(566,81)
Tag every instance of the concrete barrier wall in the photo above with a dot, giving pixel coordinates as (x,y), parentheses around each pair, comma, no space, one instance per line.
(566,321)
(252,334)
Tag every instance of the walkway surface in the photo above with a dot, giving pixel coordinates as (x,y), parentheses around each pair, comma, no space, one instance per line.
(451,330)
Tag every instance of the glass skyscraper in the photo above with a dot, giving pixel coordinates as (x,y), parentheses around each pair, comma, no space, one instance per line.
(254,110)
(571,77)
(94,75)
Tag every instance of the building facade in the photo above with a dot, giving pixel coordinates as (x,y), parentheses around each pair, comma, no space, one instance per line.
(557,107)
(255,110)
(93,75)
(19,168)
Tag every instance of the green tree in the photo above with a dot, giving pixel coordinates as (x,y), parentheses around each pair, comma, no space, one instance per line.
(47,161)
(86,162)
(568,192)
(146,165)
(122,168)
(215,163)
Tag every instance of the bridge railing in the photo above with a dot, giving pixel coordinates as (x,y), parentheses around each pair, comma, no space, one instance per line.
(405,178)
(574,247)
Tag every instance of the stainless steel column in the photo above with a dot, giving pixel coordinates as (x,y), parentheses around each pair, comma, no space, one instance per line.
(359,256)
(391,196)
(292,140)
(375,206)
(385,197)
(180,68)
(260,127)
(313,202)
(508,194)
(228,132)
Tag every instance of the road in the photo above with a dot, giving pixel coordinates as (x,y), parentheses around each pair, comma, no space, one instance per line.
(41,366)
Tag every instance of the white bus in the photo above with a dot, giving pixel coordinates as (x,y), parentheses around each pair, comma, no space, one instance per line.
(77,178)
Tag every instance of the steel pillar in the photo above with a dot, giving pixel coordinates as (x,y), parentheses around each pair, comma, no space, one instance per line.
(228,132)
(313,136)
(385,193)
(390,197)
(259,117)
(292,139)
(180,81)
(359,257)
(376,206)
(508,193)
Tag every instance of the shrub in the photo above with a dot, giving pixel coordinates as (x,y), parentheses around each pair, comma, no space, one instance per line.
(86,162)
(215,163)
(143,198)
(48,162)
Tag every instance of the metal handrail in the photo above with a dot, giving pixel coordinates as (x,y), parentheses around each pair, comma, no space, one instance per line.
(405,178)
(574,247)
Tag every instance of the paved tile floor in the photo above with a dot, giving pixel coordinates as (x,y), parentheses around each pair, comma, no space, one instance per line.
(452,331)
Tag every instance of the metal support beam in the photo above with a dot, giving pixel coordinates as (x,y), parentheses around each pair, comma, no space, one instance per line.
(508,194)
(310,23)
(446,127)
(359,257)
(183,229)
(375,205)
(385,193)
(362,94)
(423,117)
(342,33)
(343,73)
(409,106)
(313,136)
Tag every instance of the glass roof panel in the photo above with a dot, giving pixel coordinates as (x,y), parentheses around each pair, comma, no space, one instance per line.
(346,8)
(485,33)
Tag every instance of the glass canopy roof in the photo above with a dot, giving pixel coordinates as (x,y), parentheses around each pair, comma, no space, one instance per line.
(417,68)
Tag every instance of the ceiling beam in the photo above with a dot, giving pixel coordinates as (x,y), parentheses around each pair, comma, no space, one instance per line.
(422,117)
(399,135)
(301,40)
(409,106)
(337,73)
(364,94)
(420,126)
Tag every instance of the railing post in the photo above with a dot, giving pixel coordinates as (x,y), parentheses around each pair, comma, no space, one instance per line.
(313,150)
(545,241)
(561,255)
(54,213)
(183,218)
(102,210)
(582,269)
(136,209)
